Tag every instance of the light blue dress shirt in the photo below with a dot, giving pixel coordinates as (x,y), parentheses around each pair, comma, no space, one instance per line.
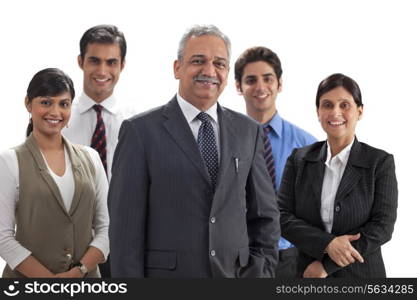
(284,137)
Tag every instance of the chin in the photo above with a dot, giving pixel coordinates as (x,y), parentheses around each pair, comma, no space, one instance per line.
(52,132)
(207,97)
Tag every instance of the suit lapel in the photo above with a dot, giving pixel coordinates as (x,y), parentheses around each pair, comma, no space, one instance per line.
(43,169)
(76,170)
(351,175)
(316,160)
(180,131)
(227,141)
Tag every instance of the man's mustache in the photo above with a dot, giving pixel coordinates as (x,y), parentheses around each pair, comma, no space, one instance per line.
(205,78)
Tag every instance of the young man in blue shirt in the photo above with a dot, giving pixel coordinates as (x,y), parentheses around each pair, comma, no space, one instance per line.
(258,78)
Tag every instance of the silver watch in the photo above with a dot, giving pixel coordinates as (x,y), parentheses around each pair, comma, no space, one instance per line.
(82,268)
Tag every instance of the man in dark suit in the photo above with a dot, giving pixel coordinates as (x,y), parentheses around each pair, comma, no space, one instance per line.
(190,195)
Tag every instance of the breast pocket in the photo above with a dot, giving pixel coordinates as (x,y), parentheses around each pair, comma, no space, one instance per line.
(241,165)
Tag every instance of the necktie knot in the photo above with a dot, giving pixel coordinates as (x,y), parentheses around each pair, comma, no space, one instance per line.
(267,129)
(98,108)
(203,117)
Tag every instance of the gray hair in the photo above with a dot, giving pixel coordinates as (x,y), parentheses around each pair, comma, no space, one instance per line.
(200,30)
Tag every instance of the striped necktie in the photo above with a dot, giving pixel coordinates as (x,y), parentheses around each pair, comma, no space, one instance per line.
(98,141)
(270,163)
(208,148)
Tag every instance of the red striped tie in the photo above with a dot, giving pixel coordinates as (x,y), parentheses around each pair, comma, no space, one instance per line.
(270,163)
(98,141)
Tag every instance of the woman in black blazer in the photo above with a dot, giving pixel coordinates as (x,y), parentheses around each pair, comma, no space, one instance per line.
(338,198)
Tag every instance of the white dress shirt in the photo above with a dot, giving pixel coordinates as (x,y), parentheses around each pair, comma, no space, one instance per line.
(84,119)
(10,249)
(190,113)
(334,168)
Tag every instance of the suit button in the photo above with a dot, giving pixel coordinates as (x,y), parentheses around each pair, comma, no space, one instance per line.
(337,208)
(213,253)
(212,220)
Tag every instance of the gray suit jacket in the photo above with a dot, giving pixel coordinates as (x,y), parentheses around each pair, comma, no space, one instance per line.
(165,220)
(366,202)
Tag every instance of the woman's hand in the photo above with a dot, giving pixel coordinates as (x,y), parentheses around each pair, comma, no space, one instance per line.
(341,251)
(75,272)
(315,270)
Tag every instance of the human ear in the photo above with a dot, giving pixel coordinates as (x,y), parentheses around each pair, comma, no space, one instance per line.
(28,105)
(238,88)
(80,61)
(360,112)
(177,65)
(280,85)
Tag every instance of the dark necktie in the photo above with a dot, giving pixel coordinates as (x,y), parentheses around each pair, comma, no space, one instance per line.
(207,144)
(98,141)
(270,164)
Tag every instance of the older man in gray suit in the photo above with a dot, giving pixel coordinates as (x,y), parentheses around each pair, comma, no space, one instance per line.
(190,195)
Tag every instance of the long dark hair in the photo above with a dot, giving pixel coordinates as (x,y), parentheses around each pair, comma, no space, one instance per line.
(48,82)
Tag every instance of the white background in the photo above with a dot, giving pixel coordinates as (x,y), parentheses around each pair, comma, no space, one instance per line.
(372,41)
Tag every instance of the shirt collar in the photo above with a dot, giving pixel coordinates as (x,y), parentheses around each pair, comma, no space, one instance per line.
(190,111)
(342,156)
(85,103)
(276,124)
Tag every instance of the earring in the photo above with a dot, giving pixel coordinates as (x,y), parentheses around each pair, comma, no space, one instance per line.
(30,118)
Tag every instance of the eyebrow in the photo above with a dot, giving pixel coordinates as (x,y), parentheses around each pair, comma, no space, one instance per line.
(98,58)
(197,56)
(50,98)
(204,56)
(263,75)
(338,100)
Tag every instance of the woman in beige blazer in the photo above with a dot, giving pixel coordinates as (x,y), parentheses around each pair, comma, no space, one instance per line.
(53,212)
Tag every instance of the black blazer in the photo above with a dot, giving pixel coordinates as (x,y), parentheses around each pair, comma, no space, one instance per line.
(165,220)
(366,202)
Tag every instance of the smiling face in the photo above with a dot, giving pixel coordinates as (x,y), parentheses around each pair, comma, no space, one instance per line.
(338,114)
(202,71)
(49,114)
(260,87)
(102,66)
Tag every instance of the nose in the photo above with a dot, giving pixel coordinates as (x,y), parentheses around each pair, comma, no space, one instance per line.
(260,85)
(55,109)
(102,69)
(336,111)
(209,69)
